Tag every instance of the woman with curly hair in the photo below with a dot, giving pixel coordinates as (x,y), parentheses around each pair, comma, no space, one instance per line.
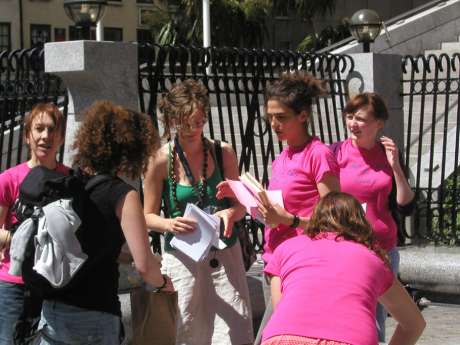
(113,141)
(213,294)
(44,129)
(325,285)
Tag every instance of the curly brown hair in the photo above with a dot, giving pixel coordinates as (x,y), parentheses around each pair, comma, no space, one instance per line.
(296,90)
(341,213)
(181,101)
(114,140)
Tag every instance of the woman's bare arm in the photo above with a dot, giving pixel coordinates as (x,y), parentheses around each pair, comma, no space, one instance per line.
(410,320)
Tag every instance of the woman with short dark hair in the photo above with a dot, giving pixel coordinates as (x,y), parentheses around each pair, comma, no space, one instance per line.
(371,170)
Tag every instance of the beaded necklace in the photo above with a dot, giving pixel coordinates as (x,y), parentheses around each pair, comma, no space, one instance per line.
(200,193)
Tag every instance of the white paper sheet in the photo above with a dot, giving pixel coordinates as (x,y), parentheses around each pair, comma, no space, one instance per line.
(197,243)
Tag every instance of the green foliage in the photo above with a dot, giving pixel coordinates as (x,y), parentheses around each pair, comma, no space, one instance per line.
(233,22)
(326,37)
(307,9)
(445,220)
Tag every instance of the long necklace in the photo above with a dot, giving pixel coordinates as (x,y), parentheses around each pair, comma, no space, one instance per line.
(199,192)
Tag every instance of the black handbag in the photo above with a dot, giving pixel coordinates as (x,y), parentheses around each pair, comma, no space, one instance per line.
(247,249)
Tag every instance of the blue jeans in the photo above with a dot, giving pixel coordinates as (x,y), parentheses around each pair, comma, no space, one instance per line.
(63,324)
(11,305)
(381,313)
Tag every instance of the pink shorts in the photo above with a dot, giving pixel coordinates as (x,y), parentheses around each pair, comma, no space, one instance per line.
(296,340)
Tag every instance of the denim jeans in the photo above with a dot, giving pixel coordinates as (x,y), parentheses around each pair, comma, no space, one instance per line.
(11,305)
(381,313)
(63,324)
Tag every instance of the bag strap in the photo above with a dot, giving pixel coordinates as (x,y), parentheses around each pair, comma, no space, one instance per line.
(96,180)
(335,147)
(219,159)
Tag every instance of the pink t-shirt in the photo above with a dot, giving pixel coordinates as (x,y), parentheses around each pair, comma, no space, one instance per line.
(367,175)
(296,172)
(10,180)
(329,289)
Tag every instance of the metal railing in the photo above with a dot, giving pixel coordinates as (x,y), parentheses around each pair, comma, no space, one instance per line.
(236,80)
(431,95)
(23,83)
(399,19)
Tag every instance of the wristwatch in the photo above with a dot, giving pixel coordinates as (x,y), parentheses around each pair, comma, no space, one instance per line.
(295,222)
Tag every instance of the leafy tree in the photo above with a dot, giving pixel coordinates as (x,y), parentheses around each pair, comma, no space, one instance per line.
(234,22)
(307,10)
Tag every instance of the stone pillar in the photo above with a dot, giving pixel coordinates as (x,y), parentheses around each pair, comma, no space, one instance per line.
(93,71)
(382,74)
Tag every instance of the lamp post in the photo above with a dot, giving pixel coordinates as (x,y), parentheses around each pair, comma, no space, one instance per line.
(85,13)
(365,26)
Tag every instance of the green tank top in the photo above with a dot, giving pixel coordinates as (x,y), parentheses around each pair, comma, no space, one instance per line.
(186,194)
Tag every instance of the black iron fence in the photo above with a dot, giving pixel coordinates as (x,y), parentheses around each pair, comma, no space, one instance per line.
(431,97)
(236,79)
(23,83)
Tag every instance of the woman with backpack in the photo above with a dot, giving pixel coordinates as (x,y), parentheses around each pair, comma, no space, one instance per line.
(371,170)
(115,142)
(326,283)
(213,296)
(304,171)
(44,130)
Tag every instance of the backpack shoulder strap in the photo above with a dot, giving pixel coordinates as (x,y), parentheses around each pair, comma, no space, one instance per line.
(96,180)
(335,147)
(219,158)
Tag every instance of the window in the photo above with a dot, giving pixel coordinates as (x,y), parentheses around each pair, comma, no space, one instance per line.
(144,36)
(113,34)
(59,34)
(39,34)
(5,36)
(76,33)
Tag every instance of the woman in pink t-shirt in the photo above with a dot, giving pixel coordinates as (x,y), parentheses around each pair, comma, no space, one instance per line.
(44,131)
(304,171)
(371,171)
(325,285)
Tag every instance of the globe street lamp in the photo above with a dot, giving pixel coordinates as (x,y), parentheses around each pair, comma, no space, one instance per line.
(365,26)
(85,13)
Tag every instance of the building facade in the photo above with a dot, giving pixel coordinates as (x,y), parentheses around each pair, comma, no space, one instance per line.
(30,23)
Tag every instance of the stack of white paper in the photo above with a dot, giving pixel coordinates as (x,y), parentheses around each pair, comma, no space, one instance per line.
(196,244)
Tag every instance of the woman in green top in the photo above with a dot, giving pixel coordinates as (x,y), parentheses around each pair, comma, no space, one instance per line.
(213,294)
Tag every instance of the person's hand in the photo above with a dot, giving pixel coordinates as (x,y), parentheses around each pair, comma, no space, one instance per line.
(169,287)
(181,225)
(224,191)
(391,151)
(274,215)
(227,217)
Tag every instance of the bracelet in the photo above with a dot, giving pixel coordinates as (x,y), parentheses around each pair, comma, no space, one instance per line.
(295,222)
(158,289)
